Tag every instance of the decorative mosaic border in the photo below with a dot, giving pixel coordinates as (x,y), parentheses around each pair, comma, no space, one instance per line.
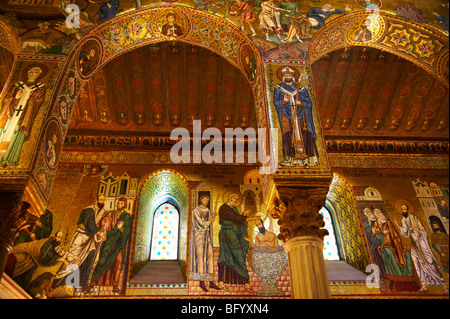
(336,161)
(383,161)
(7,38)
(291,62)
(201,28)
(165,286)
(410,40)
(124,157)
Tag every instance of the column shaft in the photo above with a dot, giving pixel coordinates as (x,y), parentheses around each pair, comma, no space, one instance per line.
(308,274)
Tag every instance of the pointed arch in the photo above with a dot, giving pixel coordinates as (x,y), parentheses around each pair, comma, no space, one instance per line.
(118,36)
(412,41)
(331,248)
(161,186)
(8,39)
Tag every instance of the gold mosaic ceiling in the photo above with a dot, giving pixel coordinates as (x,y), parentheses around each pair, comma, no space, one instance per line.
(162,86)
(365,92)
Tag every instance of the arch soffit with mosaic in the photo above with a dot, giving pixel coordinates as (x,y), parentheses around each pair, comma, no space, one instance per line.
(202,29)
(9,42)
(7,38)
(412,41)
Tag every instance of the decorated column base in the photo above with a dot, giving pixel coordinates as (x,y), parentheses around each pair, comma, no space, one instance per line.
(309,279)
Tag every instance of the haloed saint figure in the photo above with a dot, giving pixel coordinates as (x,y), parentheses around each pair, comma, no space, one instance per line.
(18,112)
(295,115)
(171,28)
(202,256)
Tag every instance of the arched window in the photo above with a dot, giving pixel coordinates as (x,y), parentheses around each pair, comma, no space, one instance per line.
(330,250)
(164,245)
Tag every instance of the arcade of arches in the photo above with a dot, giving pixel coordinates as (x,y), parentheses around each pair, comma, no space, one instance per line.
(224,149)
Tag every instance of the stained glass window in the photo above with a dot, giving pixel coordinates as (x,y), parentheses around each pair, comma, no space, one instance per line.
(165,233)
(330,250)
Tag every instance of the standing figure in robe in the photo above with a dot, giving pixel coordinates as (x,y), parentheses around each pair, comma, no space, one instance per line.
(85,243)
(111,260)
(269,19)
(285,20)
(426,264)
(374,243)
(202,255)
(439,242)
(19,110)
(246,13)
(39,253)
(50,150)
(232,267)
(294,109)
(396,259)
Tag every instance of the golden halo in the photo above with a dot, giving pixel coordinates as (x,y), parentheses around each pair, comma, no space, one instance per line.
(232,191)
(280,76)
(398,206)
(43,68)
(172,13)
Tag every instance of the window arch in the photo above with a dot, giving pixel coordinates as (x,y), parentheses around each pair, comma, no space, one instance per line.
(330,248)
(165,232)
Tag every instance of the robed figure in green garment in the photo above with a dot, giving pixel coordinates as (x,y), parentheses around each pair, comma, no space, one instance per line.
(18,112)
(397,260)
(111,258)
(38,253)
(232,267)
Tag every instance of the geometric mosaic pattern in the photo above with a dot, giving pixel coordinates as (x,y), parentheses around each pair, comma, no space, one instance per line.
(330,250)
(341,202)
(407,39)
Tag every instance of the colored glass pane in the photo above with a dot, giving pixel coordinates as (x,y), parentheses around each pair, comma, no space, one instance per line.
(165,233)
(330,250)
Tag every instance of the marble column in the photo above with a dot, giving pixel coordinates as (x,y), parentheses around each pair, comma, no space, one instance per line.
(301,228)
(309,279)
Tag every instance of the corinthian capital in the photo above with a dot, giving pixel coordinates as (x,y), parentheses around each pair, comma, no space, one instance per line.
(297,210)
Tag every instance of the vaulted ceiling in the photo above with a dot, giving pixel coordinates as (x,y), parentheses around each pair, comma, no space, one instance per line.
(368,93)
(162,86)
(361,93)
